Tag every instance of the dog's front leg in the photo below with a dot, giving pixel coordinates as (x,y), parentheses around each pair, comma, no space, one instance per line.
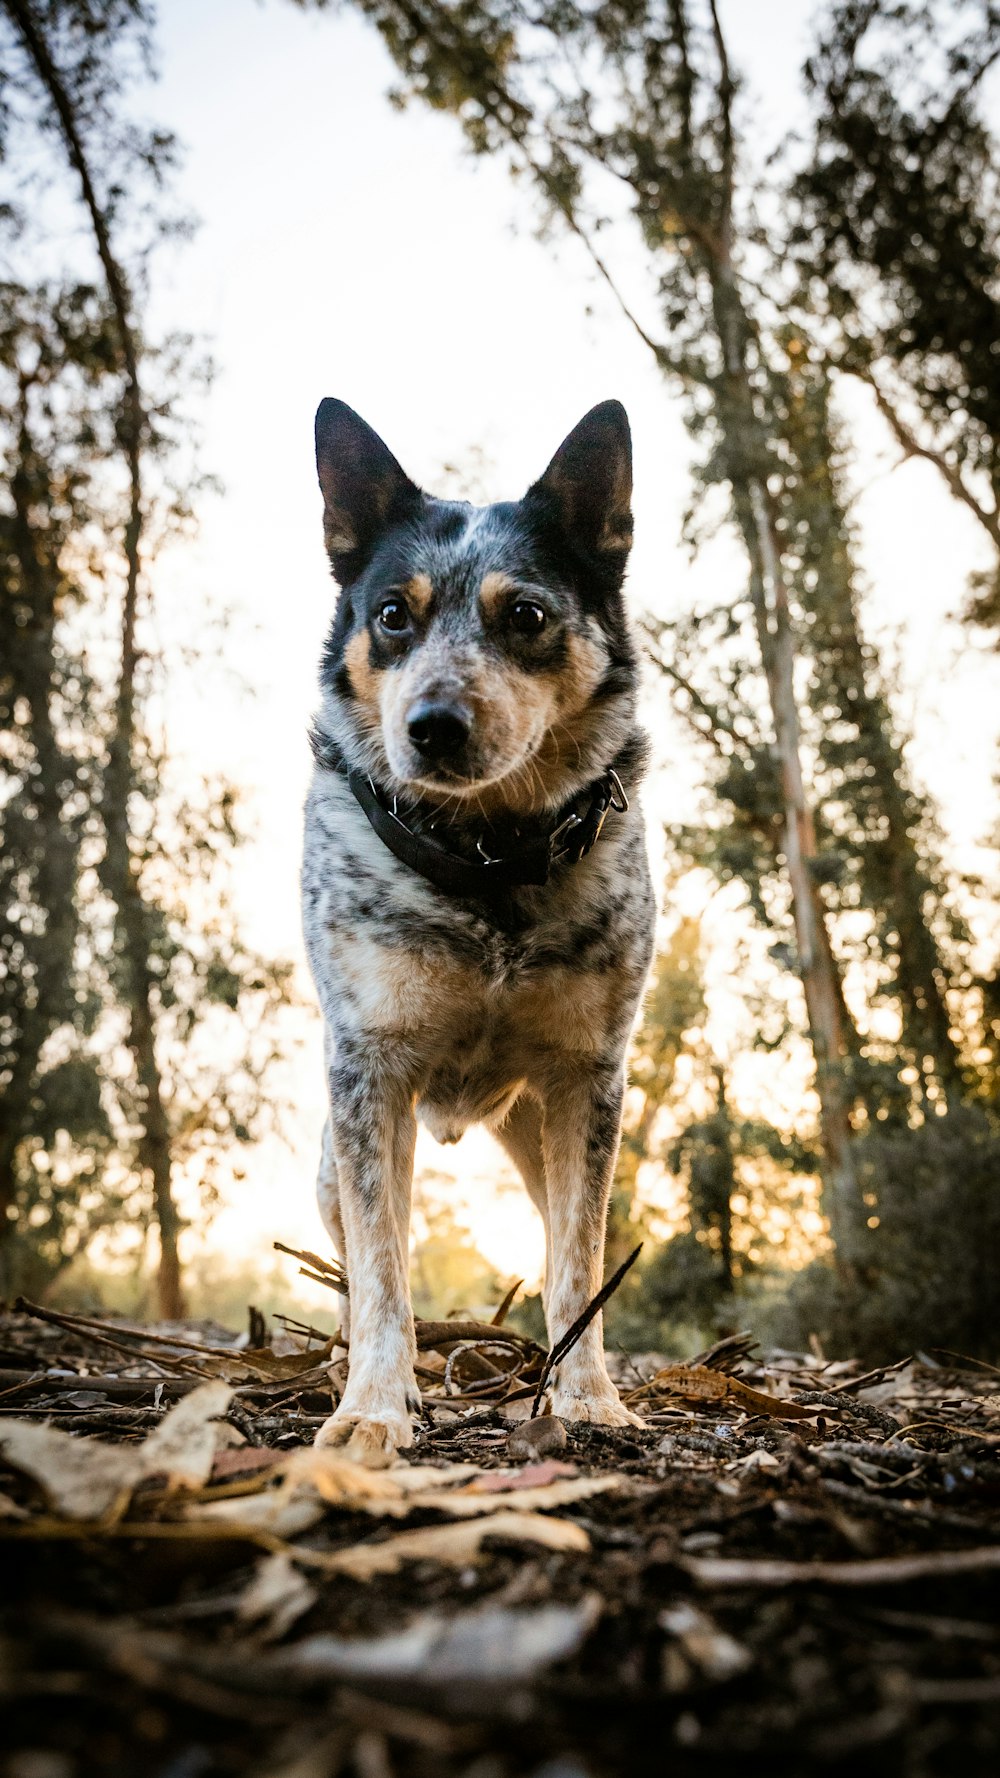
(374,1129)
(582,1123)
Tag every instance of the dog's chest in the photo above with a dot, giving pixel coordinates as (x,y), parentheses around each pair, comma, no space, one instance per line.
(392,957)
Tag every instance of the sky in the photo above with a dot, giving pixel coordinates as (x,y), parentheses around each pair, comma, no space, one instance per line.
(347,249)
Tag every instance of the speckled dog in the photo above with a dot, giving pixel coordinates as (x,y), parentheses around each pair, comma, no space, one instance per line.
(477,903)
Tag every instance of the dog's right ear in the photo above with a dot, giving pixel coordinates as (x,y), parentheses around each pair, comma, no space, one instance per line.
(364,489)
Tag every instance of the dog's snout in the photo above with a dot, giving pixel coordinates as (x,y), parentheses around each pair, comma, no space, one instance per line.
(438,728)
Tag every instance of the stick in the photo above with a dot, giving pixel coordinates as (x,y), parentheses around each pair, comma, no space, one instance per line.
(580,1326)
(885,1571)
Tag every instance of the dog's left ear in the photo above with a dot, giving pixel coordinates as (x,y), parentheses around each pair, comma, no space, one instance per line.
(365,490)
(587,488)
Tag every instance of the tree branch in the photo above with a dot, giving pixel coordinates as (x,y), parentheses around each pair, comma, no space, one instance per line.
(907,439)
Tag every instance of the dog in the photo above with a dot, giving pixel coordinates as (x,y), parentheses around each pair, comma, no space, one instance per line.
(477,904)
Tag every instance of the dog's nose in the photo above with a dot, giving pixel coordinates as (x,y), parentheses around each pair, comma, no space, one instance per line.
(438,730)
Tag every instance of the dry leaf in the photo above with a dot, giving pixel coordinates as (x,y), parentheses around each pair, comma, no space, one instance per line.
(534,1475)
(277,1511)
(471,1502)
(276,1597)
(244,1461)
(339,1481)
(184,1444)
(457,1545)
(755,1460)
(84,1478)
(695,1382)
(416,1478)
(80,1477)
(716,1655)
(494,1643)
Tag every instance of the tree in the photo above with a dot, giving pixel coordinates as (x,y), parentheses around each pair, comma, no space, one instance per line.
(897,233)
(114,962)
(811,771)
(53,359)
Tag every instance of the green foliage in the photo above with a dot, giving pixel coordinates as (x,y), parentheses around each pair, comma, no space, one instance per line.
(924,1272)
(897,225)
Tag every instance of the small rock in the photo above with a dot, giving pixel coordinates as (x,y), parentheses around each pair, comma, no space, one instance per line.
(536,1438)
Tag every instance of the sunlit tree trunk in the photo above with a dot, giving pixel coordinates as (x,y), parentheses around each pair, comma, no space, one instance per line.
(744,445)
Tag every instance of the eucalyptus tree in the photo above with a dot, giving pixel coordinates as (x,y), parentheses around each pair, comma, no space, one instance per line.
(897,233)
(122,939)
(640,100)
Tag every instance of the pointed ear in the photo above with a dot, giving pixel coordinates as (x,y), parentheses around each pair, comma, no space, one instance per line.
(364,489)
(587,488)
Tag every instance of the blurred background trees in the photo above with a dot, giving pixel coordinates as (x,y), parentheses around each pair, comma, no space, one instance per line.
(868,251)
(837,945)
(136,1030)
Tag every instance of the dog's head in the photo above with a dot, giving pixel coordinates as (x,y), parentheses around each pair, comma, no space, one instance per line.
(479,653)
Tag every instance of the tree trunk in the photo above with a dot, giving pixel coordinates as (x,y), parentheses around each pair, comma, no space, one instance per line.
(728,1181)
(56,843)
(817,966)
(120,869)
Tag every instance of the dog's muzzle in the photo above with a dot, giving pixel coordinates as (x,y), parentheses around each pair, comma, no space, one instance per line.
(439,729)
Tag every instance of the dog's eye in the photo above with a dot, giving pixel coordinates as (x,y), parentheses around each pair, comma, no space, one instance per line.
(393,615)
(527,618)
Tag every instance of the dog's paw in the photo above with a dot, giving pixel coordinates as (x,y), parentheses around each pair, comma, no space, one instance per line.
(598,1406)
(369,1439)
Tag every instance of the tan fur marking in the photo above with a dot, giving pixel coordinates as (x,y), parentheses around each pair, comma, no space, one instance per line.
(567,1011)
(419,593)
(578,680)
(364,680)
(494,590)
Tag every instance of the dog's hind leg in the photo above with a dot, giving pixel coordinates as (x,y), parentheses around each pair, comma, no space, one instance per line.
(374,1129)
(581,1125)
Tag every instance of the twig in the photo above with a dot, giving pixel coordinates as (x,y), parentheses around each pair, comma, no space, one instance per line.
(580,1325)
(726,1353)
(321,1271)
(504,1309)
(883,1571)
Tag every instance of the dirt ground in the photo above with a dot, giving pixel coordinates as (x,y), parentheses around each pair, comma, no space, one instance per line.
(724,1585)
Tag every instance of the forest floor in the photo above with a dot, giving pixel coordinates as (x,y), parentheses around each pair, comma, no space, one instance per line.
(792,1563)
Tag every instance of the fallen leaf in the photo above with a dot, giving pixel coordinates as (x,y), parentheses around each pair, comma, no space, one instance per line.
(417,1478)
(277,1596)
(456,1545)
(717,1655)
(473,1501)
(182,1447)
(244,1460)
(534,1475)
(277,1512)
(494,1644)
(84,1478)
(694,1382)
(80,1477)
(755,1460)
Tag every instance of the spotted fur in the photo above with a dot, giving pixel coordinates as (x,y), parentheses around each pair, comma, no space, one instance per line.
(513,1010)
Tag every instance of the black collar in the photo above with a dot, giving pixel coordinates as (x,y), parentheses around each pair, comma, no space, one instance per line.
(527,860)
